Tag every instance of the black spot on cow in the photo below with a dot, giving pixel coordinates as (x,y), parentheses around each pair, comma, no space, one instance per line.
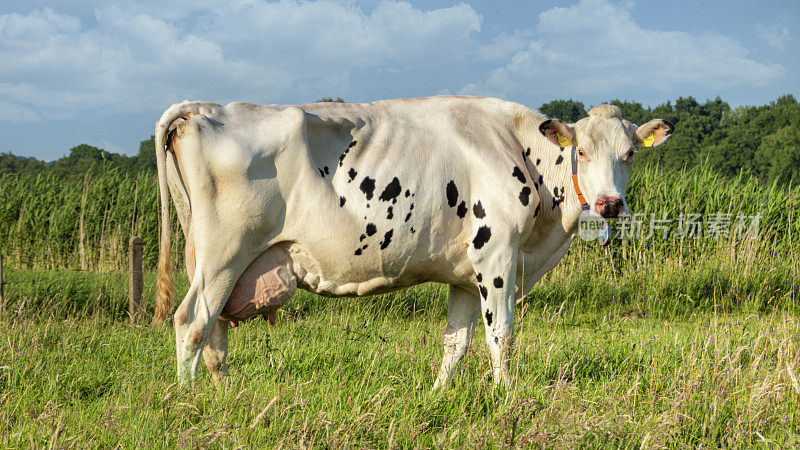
(496,340)
(541,180)
(518,174)
(391,191)
(407,193)
(498,282)
(321,172)
(352,174)
(526,153)
(560,159)
(536,211)
(389,213)
(484,291)
(357,252)
(327,172)
(363,236)
(408,216)
(452,193)
(488,317)
(341,201)
(478,210)
(482,237)
(479,277)
(524,195)
(462,209)
(411,208)
(371,229)
(387,238)
(413,230)
(558,198)
(538,160)
(367,205)
(342,156)
(367,187)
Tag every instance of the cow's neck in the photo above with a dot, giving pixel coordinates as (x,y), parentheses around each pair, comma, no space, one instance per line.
(556,174)
(557,185)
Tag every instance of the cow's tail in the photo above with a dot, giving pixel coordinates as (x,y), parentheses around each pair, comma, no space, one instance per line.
(164,285)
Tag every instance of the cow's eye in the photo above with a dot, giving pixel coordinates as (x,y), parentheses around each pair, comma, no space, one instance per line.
(581,152)
(629,156)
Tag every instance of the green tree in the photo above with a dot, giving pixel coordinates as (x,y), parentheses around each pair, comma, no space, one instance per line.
(146,158)
(84,157)
(779,156)
(10,163)
(568,111)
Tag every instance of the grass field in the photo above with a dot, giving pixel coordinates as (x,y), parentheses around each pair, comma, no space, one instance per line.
(647,343)
(704,354)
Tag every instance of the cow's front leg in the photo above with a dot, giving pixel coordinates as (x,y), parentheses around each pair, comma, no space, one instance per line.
(215,352)
(495,274)
(463,307)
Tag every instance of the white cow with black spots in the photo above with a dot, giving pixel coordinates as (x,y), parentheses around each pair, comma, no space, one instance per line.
(358,199)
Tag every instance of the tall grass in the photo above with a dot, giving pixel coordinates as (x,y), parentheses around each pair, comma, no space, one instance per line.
(50,222)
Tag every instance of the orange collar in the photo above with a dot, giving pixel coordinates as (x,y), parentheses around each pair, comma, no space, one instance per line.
(581,198)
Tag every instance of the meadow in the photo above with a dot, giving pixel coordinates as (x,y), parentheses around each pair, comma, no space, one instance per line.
(647,343)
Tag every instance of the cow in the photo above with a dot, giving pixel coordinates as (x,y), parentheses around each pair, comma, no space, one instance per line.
(350,200)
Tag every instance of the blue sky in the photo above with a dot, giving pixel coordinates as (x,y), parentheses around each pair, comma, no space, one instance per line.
(101,72)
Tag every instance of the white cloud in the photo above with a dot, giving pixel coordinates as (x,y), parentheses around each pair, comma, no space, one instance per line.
(775,35)
(128,59)
(595,49)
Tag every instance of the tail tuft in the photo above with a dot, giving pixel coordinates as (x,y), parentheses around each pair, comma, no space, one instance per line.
(164,285)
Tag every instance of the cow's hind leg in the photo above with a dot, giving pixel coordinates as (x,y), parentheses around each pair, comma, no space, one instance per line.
(197,315)
(215,352)
(463,308)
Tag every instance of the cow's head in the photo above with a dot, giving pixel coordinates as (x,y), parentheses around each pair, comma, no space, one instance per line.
(605,146)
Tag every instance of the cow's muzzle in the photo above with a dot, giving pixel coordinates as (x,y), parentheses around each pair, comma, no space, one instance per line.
(608,207)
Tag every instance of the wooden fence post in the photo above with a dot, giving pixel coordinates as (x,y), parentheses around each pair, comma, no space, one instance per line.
(2,282)
(135,282)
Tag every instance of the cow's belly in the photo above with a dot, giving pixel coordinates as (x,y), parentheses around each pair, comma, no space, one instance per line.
(335,274)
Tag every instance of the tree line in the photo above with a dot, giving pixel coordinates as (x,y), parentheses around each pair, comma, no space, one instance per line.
(763,141)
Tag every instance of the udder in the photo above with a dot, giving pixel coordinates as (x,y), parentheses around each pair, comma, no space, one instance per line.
(265,285)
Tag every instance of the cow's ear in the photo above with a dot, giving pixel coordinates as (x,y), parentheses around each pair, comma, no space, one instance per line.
(654,132)
(558,133)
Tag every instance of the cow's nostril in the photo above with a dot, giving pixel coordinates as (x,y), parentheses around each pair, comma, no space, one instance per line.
(609,207)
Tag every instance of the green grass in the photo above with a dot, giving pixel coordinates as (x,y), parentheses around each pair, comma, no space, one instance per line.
(607,355)
(359,372)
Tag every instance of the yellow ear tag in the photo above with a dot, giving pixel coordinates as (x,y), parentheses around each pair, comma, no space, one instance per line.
(562,141)
(649,140)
